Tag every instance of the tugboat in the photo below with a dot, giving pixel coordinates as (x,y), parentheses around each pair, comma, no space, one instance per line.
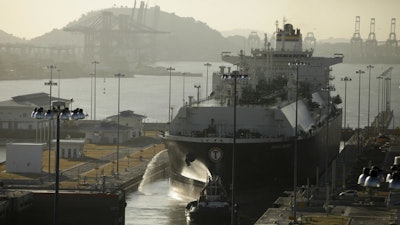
(212,205)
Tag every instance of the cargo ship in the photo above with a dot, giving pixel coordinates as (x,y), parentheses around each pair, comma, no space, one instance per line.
(253,139)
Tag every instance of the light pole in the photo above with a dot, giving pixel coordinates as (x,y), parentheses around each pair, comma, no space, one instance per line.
(198,86)
(359,72)
(119,75)
(95,83)
(328,89)
(170,69)
(369,67)
(91,95)
(234,75)
(345,79)
(50,84)
(296,64)
(207,65)
(59,82)
(379,99)
(183,88)
(388,81)
(58,109)
(388,92)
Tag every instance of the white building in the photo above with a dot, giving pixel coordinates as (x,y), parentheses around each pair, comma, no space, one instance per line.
(130,119)
(24,157)
(70,148)
(15,114)
(105,132)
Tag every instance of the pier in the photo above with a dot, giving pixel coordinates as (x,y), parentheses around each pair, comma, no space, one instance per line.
(90,190)
(320,202)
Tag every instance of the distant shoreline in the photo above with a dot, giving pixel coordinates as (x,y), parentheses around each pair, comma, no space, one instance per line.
(148,71)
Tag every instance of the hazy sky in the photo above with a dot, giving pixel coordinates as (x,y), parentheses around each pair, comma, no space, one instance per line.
(326,18)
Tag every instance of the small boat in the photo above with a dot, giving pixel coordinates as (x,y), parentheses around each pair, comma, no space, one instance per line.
(212,205)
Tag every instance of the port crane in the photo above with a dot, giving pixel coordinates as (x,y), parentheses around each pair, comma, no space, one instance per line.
(356,41)
(253,40)
(391,42)
(310,41)
(112,36)
(371,43)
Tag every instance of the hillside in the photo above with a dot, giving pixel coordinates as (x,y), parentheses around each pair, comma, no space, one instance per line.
(180,39)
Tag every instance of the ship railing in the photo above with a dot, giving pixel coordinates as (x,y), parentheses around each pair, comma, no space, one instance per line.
(243,136)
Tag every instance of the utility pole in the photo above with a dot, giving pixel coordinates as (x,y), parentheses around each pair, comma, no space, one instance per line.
(207,65)
(50,84)
(170,69)
(345,79)
(94,100)
(59,82)
(369,67)
(359,72)
(119,75)
(183,89)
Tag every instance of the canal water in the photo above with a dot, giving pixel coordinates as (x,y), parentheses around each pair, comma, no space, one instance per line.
(154,204)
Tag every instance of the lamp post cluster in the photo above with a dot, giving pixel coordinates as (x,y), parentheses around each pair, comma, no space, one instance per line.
(59,110)
(235,75)
(372,177)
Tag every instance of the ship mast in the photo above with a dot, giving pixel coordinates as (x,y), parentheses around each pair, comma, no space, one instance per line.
(283,34)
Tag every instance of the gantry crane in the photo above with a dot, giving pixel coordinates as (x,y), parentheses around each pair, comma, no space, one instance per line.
(310,41)
(113,37)
(371,44)
(253,41)
(391,42)
(356,41)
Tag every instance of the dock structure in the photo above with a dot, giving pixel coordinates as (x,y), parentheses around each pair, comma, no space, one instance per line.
(341,211)
(321,203)
(90,190)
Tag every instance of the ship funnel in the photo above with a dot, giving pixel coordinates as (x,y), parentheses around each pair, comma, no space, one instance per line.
(190,100)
